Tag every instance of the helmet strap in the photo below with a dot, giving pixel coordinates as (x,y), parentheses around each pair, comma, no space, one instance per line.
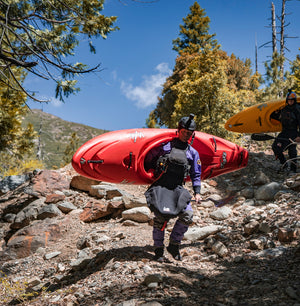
(193,137)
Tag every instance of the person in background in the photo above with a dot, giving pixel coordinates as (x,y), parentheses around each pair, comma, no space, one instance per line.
(289,117)
(173,161)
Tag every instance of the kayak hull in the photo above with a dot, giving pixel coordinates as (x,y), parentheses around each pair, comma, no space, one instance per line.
(256,118)
(118,156)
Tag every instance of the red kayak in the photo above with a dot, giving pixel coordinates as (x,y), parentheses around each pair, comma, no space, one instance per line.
(118,157)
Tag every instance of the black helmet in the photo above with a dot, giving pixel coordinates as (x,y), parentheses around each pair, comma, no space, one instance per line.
(187,123)
(291,96)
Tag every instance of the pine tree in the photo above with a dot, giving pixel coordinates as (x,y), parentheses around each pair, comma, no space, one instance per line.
(71,149)
(194,35)
(205,81)
(209,84)
(16,141)
(39,35)
(278,81)
(162,114)
(277,86)
(296,74)
(204,90)
(194,38)
(13,138)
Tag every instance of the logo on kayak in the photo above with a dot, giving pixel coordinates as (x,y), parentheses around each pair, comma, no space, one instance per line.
(134,136)
(261,106)
(223,160)
(126,182)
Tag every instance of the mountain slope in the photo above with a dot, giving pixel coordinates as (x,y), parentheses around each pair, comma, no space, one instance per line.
(55,134)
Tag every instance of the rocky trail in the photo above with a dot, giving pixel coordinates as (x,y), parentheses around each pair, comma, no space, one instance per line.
(67,240)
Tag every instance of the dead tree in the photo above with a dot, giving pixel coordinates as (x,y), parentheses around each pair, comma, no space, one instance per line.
(274,45)
(282,26)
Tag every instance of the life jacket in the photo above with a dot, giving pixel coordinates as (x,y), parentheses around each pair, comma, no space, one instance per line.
(173,167)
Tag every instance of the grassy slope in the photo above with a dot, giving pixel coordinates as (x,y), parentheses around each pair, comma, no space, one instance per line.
(56,133)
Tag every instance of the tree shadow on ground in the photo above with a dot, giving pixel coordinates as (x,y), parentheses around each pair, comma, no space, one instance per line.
(252,281)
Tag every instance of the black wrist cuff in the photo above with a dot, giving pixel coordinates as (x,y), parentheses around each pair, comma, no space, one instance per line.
(197,189)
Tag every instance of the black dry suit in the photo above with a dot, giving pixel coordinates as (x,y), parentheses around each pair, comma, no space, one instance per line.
(167,195)
(290,120)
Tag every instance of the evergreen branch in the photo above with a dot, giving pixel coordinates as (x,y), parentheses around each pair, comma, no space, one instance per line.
(62,65)
(24,90)
(17,62)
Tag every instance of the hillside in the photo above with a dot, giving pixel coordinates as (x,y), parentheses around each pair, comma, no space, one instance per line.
(66,241)
(55,134)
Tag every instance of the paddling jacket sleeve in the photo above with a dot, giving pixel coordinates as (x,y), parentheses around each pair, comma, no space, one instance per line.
(195,170)
(192,156)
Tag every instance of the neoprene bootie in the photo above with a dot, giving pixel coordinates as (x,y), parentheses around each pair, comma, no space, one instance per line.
(159,254)
(173,249)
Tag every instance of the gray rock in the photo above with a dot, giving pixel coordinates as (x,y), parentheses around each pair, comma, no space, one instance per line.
(292,293)
(132,302)
(82,242)
(219,248)
(261,179)
(250,202)
(106,191)
(12,182)
(66,207)
(33,282)
(131,202)
(102,239)
(247,192)
(153,303)
(198,233)
(215,197)
(207,203)
(10,218)
(28,214)
(267,192)
(251,227)
(80,263)
(222,213)
(138,214)
(152,278)
(264,227)
(256,244)
(49,211)
(51,255)
(275,252)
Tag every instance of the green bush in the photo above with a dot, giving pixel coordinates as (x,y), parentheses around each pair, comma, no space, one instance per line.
(12,165)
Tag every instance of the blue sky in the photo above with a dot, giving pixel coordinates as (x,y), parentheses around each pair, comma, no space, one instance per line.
(137,59)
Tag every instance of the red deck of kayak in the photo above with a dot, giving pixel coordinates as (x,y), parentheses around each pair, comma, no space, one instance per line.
(118,157)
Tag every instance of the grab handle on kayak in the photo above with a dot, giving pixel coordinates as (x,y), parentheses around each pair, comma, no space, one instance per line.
(259,119)
(215,144)
(99,161)
(130,161)
(241,159)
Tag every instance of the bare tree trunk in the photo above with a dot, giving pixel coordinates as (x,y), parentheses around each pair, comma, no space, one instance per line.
(274,47)
(39,145)
(282,39)
(256,69)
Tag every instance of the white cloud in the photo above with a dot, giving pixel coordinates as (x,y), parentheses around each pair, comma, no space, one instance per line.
(50,101)
(146,93)
(55,102)
(114,75)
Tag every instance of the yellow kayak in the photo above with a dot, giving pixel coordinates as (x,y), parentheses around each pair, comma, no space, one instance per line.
(257,118)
